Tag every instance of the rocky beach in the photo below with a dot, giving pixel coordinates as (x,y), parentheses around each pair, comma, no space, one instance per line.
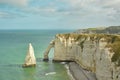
(79,73)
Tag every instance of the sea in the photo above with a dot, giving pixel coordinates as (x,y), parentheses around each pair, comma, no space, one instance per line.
(13,50)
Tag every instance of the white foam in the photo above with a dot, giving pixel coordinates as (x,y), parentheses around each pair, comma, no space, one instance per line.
(63,63)
(50,73)
(69,73)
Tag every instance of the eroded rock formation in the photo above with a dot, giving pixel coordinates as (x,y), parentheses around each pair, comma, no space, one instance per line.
(30,57)
(51,45)
(98,53)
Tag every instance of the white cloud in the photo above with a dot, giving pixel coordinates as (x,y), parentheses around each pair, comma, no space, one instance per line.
(73,8)
(4,15)
(15,2)
(110,8)
(44,9)
(93,2)
(109,3)
(39,10)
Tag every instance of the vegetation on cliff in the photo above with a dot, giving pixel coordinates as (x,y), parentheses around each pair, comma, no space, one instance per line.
(115,47)
(108,30)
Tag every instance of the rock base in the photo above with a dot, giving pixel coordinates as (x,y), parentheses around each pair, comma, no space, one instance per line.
(45,59)
(25,66)
(62,60)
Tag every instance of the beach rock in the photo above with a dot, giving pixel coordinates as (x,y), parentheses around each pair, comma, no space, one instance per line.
(93,52)
(30,59)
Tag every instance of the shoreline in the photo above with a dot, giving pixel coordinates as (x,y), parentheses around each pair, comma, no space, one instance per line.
(78,73)
(68,72)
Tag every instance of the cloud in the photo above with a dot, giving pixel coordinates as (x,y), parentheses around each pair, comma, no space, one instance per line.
(109,3)
(4,15)
(97,3)
(43,11)
(69,8)
(19,3)
(90,7)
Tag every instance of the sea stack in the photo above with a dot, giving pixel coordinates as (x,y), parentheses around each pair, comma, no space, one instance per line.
(30,60)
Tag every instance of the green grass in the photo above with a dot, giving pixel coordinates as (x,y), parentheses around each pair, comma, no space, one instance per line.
(92,28)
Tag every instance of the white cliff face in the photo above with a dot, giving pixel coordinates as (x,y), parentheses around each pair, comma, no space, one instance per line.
(89,52)
(30,59)
(64,49)
(103,62)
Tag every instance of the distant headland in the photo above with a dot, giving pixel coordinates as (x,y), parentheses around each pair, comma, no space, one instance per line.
(98,30)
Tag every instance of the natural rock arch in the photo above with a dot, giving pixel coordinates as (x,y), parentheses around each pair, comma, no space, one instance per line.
(46,53)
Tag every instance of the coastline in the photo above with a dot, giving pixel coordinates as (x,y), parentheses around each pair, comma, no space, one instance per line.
(78,73)
(68,72)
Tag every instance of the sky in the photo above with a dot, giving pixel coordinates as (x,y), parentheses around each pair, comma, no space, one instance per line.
(58,14)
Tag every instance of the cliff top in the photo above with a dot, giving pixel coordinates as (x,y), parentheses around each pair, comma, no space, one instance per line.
(108,37)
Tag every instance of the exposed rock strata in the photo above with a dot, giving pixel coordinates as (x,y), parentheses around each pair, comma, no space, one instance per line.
(98,53)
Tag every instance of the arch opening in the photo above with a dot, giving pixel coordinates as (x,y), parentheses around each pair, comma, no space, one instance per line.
(49,52)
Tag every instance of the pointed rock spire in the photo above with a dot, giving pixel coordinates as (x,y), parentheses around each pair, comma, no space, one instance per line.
(30,57)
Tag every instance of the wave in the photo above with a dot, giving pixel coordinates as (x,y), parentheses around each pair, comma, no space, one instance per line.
(50,73)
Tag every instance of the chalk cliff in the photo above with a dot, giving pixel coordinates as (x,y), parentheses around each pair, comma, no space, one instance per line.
(98,53)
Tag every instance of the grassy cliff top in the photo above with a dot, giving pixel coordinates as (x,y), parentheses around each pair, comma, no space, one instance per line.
(113,41)
(108,30)
(108,37)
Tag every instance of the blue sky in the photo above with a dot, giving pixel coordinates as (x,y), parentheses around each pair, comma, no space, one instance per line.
(58,14)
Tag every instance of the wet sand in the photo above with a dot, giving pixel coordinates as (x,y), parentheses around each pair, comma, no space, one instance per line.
(79,73)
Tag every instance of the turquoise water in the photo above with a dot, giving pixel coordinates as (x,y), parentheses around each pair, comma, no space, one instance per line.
(13,49)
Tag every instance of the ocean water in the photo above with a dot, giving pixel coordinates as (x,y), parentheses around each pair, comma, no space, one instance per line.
(13,49)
